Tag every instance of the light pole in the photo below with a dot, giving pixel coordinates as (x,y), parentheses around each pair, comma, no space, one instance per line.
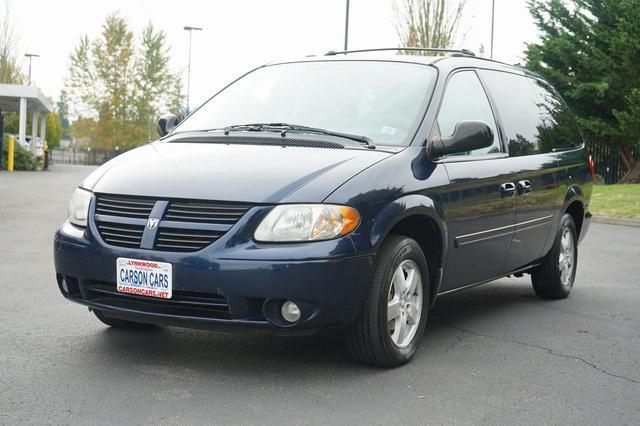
(191,30)
(346,27)
(493,14)
(30,56)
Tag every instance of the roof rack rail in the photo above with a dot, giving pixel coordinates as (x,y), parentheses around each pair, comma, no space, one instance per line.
(416,49)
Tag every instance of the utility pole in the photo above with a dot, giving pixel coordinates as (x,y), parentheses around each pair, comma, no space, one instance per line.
(493,15)
(30,56)
(346,28)
(191,30)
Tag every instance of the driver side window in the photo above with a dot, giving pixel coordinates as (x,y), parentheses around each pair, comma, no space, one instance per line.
(465,99)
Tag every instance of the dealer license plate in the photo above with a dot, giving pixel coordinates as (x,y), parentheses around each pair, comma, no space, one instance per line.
(144,277)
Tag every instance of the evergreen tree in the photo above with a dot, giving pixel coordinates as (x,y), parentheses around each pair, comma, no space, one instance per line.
(63,112)
(120,86)
(590,51)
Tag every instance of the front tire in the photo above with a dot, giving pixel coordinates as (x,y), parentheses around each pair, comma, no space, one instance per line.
(554,278)
(391,322)
(119,323)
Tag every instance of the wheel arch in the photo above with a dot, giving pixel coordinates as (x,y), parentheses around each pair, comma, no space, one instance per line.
(418,217)
(575,205)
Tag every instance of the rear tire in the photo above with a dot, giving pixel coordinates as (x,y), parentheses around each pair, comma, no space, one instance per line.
(393,316)
(119,323)
(554,278)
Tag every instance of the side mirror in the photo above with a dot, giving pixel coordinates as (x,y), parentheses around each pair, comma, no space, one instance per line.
(468,136)
(166,124)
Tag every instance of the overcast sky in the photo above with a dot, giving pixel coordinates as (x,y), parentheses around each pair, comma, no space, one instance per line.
(242,34)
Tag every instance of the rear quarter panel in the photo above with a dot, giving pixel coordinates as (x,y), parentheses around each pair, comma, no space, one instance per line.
(575,183)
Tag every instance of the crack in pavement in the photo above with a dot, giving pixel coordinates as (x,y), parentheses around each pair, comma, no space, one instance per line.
(455,343)
(532,345)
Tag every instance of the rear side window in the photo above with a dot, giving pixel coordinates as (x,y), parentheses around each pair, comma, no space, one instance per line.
(558,129)
(520,110)
(465,99)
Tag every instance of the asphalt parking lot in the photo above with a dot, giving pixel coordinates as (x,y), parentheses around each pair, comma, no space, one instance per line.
(493,354)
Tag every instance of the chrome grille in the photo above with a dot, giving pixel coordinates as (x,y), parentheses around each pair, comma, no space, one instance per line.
(119,234)
(124,206)
(175,239)
(199,211)
(185,225)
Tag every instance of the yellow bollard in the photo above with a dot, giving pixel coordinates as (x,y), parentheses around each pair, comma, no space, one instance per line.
(11,143)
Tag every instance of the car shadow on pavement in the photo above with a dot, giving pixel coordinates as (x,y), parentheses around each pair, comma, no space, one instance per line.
(262,353)
(487,301)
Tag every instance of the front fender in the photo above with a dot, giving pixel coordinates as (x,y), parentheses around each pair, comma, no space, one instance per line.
(413,205)
(401,208)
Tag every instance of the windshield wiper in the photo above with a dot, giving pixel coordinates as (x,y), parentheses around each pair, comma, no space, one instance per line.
(283,128)
(252,127)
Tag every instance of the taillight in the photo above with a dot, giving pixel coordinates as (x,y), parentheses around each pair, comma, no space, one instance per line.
(592,168)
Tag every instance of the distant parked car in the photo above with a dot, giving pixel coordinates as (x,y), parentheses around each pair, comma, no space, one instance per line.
(27,140)
(345,190)
(27,144)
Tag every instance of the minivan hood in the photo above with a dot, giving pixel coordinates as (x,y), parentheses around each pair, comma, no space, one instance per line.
(244,173)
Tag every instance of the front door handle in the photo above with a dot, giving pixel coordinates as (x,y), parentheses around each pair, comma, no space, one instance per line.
(508,189)
(524,187)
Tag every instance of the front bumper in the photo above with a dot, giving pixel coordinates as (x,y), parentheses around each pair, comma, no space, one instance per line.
(212,290)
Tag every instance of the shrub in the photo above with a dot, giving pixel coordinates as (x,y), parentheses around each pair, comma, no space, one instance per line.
(22,160)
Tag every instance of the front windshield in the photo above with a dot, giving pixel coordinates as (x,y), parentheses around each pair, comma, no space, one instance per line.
(380,100)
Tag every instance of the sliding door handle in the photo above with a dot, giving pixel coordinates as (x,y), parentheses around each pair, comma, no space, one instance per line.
(524,187)
(508,189)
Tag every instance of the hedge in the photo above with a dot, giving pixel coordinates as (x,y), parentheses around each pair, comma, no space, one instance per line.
(22,160)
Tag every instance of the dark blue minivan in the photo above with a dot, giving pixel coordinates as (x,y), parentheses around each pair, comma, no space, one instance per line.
(348,190)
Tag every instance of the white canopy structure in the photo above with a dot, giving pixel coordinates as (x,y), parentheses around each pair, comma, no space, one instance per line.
(26,100)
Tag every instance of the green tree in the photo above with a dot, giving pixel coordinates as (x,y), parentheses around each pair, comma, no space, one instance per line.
(121,86)
(590,51)
(84,129)
(101,78)
(54,130)
(154,85)
(63,112)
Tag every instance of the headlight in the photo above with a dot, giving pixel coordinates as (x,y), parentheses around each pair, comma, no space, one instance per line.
(79,207)
(307,222)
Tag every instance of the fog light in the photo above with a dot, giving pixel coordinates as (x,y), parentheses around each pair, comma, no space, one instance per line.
(290,311)
(64,285)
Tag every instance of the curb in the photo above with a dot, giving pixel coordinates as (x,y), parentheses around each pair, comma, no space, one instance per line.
(616,221)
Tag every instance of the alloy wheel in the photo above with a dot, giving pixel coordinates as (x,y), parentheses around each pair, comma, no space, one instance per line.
(404,306)
(566,258)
